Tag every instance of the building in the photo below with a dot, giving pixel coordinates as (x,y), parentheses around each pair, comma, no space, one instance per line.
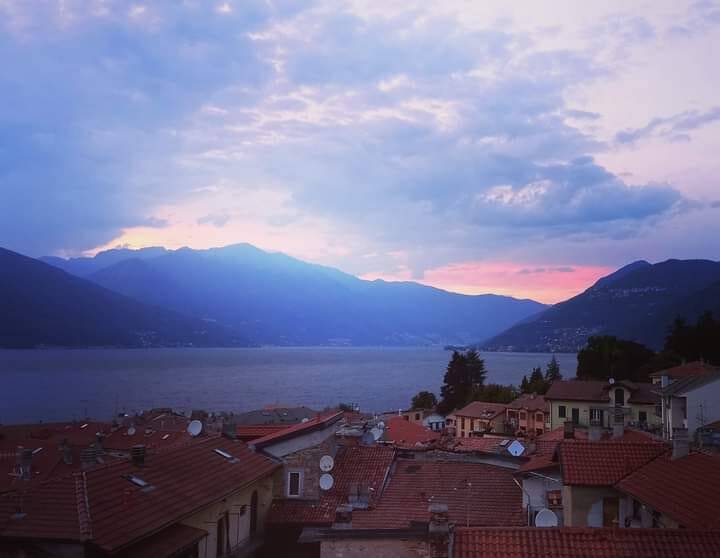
(690,402)
(274,414)
(583,401)
(675,490)
(476,418)
(203,500)
(405,434)
(696,368)
(591,469)
(528,415)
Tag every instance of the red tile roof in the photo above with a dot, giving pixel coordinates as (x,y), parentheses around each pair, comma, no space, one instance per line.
(539,462)
(686,489)
(102,505)
(696,368)
(37,435)
(320,421)
(604,463)
(529,401)
(353,464)
(568,542)
(492,498)
(251,432)
(167,542)
(405,434)
(591,390)
(485,444)
(481,410)
(548,441)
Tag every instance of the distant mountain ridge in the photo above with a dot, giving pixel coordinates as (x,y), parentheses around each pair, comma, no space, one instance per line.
(638,302)
(278,300)
(42,306)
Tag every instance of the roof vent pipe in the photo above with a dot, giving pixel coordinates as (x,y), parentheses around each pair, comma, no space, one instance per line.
(680,443)
(618,423)
(137,454)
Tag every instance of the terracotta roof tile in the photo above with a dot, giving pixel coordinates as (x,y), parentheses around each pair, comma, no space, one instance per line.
(115,512)
(567,542)
(481,410)
(167,542)
(529,401)
(604,463)
(492,498)
(686,489)
(696,368)
(251,432)
(320,421)
(592,390)
(353,464)
(406,434)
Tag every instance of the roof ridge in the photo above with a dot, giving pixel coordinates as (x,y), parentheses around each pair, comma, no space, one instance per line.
(83,506)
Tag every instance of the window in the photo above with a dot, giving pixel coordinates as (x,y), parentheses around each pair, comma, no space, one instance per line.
(596,414)
(523,415)
(539,417)
(562,411)
(462,423)
(575,415)
(619,397)
(294,484)
(417,416)
(642,416)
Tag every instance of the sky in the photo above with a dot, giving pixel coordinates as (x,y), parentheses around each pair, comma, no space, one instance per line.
(523,148)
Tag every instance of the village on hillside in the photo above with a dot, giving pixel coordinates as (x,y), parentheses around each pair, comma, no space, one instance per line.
(606,468)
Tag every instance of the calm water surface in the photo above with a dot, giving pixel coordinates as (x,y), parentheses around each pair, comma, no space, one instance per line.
(65,384)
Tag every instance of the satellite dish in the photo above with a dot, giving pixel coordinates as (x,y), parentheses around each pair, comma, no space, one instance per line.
(194,428)
(546,518)
(305,420)
(326,481)
(326,463)
(611,381)
(516,449)
(131,431)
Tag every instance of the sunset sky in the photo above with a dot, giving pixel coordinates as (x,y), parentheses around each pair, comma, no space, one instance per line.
(522,148)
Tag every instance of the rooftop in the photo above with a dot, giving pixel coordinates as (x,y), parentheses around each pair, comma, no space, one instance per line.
(105,505)
(604,463)
(481,410)
(696,368)
(275,414)
(597,391)
(686,489)
(354,466)
(690,383)
(476,493)
(529,402)
(405,434)
(568,542)
(316,423)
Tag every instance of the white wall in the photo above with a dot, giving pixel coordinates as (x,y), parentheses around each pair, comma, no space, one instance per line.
(705,399)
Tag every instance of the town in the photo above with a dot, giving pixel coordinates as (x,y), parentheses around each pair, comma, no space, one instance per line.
(606,468)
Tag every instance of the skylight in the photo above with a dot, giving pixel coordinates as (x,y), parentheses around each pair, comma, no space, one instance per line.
(137,481)
(225,454)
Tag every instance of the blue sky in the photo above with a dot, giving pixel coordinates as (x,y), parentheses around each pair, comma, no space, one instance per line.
(523,149)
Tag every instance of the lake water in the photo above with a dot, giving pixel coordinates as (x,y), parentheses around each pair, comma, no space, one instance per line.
(65,384)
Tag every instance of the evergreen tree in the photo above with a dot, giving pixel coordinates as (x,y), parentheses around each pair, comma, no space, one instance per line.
(552,372)
(464,376)
(524,385)
(424,400)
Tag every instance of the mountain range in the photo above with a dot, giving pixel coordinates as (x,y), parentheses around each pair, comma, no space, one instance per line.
(236,295)
(639,302)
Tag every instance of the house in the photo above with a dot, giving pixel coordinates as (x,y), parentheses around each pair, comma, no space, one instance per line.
(591,469)
(428,418)
(542,484)
(528,414)
(583,401)
(274,414)
(690,369)
(203,500)
(678,489)
(477,417)
(405,434)
(690,402)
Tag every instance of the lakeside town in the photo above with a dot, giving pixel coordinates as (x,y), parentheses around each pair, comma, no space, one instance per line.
(590,467)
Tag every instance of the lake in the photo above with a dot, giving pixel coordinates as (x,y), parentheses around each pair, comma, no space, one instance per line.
(52,385)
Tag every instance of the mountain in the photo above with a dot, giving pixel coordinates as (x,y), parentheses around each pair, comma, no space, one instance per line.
(279,300)
(41,305)
(638,302)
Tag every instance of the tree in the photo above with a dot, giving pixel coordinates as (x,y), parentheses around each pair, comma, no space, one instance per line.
(536,383)
(700,341)
(607,357)
(552,371)
(496,393)
(464,375)
(424,400)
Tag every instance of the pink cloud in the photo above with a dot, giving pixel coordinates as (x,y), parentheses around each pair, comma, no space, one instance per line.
(544,283)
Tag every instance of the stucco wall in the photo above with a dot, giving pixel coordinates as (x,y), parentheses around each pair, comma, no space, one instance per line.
(239,525)
(703,401)
(583,506)
(281,449)
(307,462)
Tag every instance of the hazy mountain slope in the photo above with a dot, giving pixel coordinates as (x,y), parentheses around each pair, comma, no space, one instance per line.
(277,299)
(43,305)
(637,302)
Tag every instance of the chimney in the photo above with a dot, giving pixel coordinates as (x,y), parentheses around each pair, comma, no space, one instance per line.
(137,455)
(66,452)
(569,430)
(23,463)
(618,423)
(88,457)
(229,429)
(595,431)
(343,517)
(680,443)
(99,437)
(439,530)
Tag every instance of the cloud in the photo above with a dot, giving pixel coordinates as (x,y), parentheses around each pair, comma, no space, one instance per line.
(673,127)
(217,220)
